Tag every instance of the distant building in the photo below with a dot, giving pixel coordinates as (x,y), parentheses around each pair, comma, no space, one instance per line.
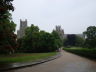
(60,31)
(21,31)
(80,35)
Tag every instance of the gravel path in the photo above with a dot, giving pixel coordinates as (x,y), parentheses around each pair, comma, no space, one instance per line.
(68,62)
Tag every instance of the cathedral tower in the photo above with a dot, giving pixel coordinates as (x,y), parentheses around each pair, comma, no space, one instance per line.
(21,31)
(60,32)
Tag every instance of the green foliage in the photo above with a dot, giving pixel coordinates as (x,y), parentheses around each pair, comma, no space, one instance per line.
(70,41)
(5,7)
(7,37)
(86,52)
(90,34)
(7,27)
(79,41)
(73,40)
(30,40)
(39,41)
(57,40)
(45,41)
(24,57)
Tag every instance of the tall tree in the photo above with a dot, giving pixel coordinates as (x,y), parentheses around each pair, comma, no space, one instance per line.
(5,7)
(30,39)
(7,27)
(57,40)
(39,41)
(79,41)
(90,35)
(71,40)
(74,40)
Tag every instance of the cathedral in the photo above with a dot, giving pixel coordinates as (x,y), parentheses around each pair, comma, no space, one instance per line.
(60,32)
(21,31)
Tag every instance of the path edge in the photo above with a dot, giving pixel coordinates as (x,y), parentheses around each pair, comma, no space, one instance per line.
(28,64)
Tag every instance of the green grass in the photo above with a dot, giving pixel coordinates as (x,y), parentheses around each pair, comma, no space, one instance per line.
(23,57)
(91,50)
(86,52)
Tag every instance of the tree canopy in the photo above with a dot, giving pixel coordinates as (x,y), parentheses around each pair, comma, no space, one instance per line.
(90,35)
(36,40)
(7,27)
(5,7)
(73,40)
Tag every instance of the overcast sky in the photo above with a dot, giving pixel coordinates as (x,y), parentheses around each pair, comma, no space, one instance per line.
(74,16)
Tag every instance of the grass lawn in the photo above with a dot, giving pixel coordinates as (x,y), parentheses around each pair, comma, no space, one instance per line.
(87,52)
(91,50)
(23,57)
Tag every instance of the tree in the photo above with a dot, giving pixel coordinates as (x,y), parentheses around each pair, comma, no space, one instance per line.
(30,39)
(7,27)
(57,40)
(39,41)
(73,40)
(79,41)
(5,7)
(70,41)
(49,41)
(90,35)
(45,41)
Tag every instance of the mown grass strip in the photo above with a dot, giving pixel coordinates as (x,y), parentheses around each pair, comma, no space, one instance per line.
(23,57)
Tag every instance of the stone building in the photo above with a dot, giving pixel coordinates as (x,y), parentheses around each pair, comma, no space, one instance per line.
(21,31)
(80,35)
(60,31)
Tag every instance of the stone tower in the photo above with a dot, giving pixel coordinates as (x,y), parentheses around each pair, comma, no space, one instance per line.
(21,31)
(60,31)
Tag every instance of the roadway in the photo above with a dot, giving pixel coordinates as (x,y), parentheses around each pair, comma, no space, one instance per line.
(68,62)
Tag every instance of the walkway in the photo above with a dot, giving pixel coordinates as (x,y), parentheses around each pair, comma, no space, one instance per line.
(68,62)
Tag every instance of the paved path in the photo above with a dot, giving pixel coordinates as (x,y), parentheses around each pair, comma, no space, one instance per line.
(66,63)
